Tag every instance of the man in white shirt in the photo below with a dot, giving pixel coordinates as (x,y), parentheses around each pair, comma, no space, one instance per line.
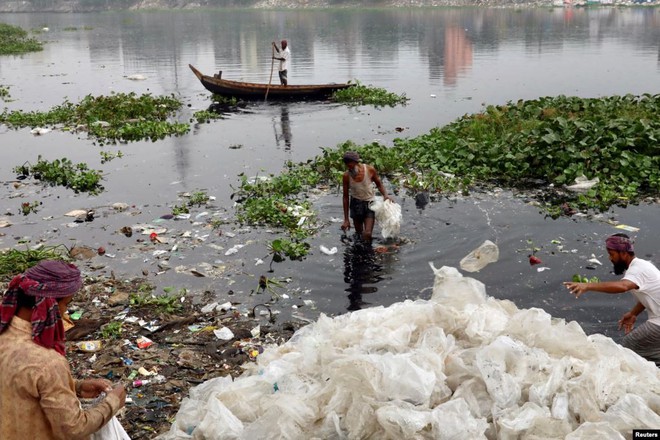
(642,279)
(284,55)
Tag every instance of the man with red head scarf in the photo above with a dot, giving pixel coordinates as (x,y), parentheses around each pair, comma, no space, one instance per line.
(642,279)
(38,396)
(283,57)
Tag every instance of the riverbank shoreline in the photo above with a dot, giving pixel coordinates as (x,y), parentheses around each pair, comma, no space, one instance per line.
(66,6)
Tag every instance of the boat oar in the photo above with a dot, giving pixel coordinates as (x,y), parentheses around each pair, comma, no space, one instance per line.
(272,64)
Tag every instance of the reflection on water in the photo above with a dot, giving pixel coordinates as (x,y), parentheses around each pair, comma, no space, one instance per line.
(458,54)
(327,46)
(283,133)
(362,269)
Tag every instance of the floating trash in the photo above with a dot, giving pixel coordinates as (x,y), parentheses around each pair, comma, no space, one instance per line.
(327,251)
(479,258)
(136,77)
(234,249)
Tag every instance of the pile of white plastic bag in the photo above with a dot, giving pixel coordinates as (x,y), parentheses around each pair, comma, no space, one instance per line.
(461,365)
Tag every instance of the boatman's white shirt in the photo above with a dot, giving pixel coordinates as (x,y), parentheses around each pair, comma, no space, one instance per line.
(284,62)
(647,277)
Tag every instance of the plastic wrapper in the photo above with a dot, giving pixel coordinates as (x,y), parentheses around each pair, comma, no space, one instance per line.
(582,184)
(460,365)
(479,258)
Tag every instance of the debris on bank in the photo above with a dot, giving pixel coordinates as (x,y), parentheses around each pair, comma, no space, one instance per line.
(161,346)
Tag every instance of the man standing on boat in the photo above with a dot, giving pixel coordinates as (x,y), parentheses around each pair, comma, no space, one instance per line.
(283,56)
(642,279)
(357,183)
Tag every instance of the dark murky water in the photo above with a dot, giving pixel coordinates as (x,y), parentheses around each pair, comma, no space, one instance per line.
(449,62)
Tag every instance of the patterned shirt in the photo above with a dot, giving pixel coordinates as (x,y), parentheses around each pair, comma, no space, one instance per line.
(38,395)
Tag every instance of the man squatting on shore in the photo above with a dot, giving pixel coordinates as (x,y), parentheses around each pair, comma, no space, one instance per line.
(38,396)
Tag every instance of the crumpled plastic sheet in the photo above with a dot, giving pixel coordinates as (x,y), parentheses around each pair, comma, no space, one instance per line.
(460,365)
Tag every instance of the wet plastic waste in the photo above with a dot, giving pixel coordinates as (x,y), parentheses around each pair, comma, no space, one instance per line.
(328,251)
(482,256)
(460,365)
(224,334)
(388,216)
(582,184)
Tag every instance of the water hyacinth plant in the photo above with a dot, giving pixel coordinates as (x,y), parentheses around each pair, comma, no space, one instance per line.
(359,94)
(553,141)
(63,172)
(107,156)
(543,143)
(4,93)
(205,116)
(14,41)
(196,198)
(118,117)
(15,261)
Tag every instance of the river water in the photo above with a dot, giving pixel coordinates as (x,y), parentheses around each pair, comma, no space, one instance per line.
(449,62)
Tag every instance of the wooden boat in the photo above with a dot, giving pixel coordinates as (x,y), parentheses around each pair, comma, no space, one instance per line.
(245,90)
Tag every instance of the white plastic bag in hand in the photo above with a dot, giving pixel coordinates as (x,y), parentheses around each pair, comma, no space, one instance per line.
(388,216)
(111,431)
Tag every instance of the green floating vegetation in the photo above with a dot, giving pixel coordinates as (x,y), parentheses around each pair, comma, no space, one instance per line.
(4,94)
(196,198)
(14,41)
(15,261)
(63,172)
(544,143)
(203,116)
(107,156)
(359,94)
(551,140)
(118,117)
(276,201)
(30,207)
(294,250)
(224,100)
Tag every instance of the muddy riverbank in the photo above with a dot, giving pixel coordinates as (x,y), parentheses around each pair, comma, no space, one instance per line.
(159,348)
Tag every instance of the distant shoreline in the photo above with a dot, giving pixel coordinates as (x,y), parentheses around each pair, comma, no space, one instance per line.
(68,6)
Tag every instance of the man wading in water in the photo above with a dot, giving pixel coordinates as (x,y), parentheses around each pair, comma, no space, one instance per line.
(357,183)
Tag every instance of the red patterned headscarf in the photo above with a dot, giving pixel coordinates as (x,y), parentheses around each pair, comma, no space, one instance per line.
(47,282)
(619,243)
